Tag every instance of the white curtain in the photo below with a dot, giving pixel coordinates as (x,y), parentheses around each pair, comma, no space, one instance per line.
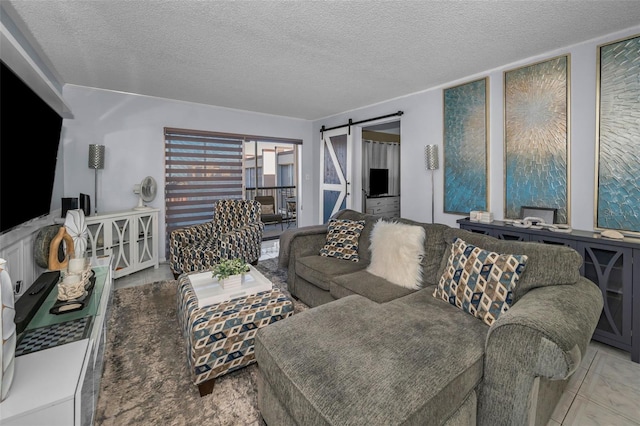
(382,155)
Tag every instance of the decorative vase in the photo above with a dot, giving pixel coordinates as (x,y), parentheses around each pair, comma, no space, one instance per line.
(77,228)
(8,327)
(231,282)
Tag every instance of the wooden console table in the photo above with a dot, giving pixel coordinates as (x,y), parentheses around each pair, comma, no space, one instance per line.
(58,383)
(614,265)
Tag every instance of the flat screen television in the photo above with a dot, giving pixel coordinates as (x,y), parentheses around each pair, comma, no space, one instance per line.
(378,182)
(29,139)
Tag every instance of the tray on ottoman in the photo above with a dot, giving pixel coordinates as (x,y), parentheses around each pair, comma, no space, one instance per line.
(220,337)
(209,291)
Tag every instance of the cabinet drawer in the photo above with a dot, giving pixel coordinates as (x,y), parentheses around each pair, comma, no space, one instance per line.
(384,201)
(375,202)
(384,211)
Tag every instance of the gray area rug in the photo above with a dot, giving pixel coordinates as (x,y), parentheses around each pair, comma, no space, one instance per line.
(145,379)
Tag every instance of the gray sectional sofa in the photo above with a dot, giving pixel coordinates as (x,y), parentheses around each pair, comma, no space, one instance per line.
(370,352)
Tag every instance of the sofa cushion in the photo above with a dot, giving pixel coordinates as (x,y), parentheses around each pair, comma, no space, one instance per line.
(342,239)
(365,236)
(397,251)
(546,264)
(319,270)
(478,281)
(368,285)
(359,362)
(434,249)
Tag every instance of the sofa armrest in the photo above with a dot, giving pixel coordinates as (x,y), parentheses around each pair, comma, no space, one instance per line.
(180,239)
(545,334)
(244,243)
(312,235)
(296,243)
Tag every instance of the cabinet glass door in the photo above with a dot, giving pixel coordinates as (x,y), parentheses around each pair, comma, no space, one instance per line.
(510,235)
(96,246)
(145,243)
(610,268)
(121,243)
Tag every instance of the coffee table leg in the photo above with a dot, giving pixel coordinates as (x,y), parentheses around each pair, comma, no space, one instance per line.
(206,388)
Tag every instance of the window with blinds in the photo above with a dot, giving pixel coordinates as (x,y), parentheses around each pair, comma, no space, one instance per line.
(200,168)
(204,167)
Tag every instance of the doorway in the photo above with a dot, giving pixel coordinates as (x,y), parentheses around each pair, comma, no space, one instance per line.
(381,169)
(271,173)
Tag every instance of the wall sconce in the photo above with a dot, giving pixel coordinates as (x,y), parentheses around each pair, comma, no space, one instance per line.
(96,161)
(431,163)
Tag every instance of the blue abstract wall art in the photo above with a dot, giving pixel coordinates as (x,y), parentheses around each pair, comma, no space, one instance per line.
(466,147)
(536,137)
(618,174)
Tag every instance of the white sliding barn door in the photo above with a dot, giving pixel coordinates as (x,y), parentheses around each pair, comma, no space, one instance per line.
(335,172)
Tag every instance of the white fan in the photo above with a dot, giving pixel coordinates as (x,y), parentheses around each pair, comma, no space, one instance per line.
(147,190)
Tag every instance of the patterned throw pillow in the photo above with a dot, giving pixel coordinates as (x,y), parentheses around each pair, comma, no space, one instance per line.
(478,281)
(267,209)
(342,239)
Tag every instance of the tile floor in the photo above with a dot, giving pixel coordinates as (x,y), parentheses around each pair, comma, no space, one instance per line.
(605,391)
(269,249)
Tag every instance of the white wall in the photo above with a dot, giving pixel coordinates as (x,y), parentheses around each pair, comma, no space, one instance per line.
(422,124)
(132,129)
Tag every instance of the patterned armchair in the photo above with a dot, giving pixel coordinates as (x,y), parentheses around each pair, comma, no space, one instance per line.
(234,232)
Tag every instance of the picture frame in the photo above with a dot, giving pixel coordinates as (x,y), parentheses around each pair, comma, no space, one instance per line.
(549,215)
(466,147)
(617,195)
(536,137)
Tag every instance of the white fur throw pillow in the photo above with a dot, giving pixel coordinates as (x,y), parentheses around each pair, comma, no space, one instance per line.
(397,250)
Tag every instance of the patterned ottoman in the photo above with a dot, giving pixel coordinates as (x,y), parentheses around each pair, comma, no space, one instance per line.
(220,337)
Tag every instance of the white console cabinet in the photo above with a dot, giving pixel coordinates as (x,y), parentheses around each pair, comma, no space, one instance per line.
(60,383)
(384,206)
(130,237)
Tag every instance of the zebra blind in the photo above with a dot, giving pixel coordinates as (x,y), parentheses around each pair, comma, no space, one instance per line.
(200,168)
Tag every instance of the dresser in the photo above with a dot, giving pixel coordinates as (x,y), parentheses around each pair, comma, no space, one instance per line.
(383,206)
(57,375)
(614,265)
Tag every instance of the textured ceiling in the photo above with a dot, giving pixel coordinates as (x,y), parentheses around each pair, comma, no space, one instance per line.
(305,59)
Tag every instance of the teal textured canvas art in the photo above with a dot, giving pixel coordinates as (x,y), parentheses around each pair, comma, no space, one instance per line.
(537,138)
(465,147)
(619,136)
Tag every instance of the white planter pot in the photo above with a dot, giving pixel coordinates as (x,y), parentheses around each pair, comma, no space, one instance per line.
(234,281)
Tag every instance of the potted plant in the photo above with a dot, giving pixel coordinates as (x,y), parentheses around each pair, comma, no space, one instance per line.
(229,272)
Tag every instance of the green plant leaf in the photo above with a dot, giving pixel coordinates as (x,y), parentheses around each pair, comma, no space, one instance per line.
(229,267)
